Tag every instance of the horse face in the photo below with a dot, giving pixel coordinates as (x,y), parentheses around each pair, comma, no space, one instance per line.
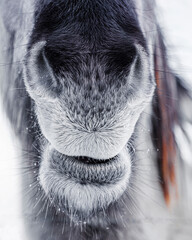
(89,73)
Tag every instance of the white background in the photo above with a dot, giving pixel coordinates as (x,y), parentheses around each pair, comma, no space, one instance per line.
(176,20)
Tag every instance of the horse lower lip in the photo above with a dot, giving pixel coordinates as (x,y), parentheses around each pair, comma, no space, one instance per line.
(72,181)
(84,169)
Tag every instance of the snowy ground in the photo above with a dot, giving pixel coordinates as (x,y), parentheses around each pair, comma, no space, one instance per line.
(175,18)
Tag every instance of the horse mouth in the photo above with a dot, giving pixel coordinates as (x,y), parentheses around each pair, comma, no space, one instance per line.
(84,184)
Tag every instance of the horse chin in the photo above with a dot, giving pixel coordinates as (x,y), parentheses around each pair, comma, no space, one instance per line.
(83,186)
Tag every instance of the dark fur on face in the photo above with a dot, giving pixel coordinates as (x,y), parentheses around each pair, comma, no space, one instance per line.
(94,93)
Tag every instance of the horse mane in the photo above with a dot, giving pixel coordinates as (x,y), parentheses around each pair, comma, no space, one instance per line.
(167,115)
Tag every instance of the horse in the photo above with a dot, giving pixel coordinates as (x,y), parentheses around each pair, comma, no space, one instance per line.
(101,118)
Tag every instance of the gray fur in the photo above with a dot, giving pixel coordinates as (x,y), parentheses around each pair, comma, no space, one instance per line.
(90,108)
